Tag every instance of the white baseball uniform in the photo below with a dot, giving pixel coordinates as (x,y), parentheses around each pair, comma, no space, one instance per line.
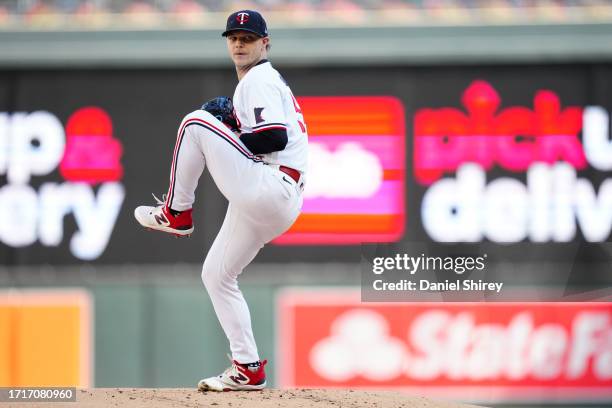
(263,201)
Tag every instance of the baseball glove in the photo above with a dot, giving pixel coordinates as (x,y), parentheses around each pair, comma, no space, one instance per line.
(222,108)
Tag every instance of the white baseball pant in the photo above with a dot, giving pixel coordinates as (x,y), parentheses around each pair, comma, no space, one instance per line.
(262,205)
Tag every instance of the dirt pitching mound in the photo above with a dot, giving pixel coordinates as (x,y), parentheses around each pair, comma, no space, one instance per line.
(269,398)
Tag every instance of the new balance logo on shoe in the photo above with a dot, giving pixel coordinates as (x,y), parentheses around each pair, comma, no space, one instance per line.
(241,379)
(161,219)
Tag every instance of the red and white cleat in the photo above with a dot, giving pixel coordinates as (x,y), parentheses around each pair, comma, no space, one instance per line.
(160,219)
(238,377)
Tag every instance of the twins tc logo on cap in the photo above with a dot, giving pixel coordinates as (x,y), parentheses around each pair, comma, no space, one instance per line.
(242,17)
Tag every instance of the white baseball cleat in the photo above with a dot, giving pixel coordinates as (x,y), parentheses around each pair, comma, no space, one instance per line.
(161,219)
(238,377)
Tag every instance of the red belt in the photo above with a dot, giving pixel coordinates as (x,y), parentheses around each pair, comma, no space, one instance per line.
(294,174)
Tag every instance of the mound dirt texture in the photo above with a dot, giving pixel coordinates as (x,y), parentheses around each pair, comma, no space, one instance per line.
(187,397)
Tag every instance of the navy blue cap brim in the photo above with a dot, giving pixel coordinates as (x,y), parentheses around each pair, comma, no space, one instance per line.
(226,33)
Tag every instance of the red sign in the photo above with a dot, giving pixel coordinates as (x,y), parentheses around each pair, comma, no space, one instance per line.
(470,351)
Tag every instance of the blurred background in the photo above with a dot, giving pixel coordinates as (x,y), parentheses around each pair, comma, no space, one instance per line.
(444,127)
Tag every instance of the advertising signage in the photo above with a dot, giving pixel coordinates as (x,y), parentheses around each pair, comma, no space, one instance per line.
(546,143)
(495,352)
(88,158)
(492,155)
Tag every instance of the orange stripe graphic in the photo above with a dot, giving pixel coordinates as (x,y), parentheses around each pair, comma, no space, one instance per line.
(393,174)
(346,223)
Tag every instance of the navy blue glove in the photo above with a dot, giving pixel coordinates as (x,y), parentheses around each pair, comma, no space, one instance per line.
(222,108)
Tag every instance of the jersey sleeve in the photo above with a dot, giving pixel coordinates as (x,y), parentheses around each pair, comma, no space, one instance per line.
(264,107)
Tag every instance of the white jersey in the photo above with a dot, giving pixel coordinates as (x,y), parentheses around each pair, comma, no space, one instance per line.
(263,100)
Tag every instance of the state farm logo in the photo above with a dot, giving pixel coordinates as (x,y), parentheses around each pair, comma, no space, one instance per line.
(442,343)
(472,351)
(359,345)
(34,145)
(542,142)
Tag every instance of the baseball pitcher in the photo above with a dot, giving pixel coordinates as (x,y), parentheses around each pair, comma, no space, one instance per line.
(256,153)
